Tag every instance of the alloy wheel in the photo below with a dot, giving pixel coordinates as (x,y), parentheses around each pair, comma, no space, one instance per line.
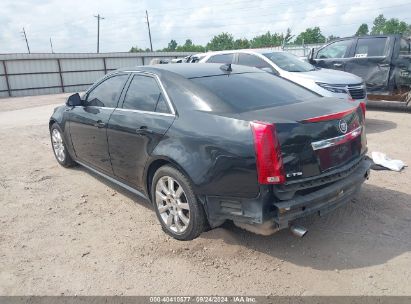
(172,204)
(58,145)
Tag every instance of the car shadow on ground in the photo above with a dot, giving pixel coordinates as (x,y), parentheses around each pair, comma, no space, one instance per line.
(378,125)
(371,230)
(134,197)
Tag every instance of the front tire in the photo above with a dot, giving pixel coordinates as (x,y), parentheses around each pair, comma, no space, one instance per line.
(180,214)
(59,147)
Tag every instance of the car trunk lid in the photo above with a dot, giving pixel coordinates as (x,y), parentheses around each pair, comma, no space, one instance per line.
(315,137)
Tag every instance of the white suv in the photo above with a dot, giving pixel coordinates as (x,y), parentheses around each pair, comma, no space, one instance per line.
(325,82)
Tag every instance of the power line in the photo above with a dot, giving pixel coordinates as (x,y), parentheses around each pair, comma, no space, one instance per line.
(298,11)
(98,31)
(149,32)
(114,25)
(25,37)
(112,28)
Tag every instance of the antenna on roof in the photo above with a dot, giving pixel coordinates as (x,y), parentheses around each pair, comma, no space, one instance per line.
(226,67)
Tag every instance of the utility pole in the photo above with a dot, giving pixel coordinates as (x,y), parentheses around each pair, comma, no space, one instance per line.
(25,37)
(51,46)
(149,32)
(98,31)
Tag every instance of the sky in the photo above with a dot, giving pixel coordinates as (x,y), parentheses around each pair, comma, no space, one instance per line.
(73,28)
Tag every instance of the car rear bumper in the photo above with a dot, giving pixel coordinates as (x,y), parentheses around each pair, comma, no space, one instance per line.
(323,200)
(267,207)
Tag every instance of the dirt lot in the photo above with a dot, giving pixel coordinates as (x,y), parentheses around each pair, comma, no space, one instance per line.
(67,231)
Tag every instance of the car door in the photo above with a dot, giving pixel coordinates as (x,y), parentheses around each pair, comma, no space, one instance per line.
(88,123)
(372,62)
(334,55)
(135,128)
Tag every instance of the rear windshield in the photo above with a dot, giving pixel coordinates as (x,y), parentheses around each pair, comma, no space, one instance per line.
(252,91)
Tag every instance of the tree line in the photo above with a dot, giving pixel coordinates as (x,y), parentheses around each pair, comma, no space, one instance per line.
(226,41)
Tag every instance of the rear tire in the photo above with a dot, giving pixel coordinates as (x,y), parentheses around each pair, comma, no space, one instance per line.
(180,214)
(59,147)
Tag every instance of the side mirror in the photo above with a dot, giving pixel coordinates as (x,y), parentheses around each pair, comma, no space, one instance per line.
(310,56)
(74,100)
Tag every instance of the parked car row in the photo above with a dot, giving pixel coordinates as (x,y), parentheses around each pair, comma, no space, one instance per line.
(325,82)
(383,62)
(245,137)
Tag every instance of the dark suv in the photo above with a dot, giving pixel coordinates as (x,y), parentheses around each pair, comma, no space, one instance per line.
(383,61)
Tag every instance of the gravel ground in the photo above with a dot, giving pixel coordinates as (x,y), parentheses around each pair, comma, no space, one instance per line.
(67,231)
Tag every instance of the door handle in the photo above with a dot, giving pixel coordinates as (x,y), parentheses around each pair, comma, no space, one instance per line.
(338,65)
(99,124)
(144,130)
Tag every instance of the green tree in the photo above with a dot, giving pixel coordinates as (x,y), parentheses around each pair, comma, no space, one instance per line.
(242,44)
(310,35)
(362,30)
(223,41)
(189,46)
(395,26)
(267,40)
(392,26)
(188,43)
(136,49)
(378,25)
(332,37)
(172,45)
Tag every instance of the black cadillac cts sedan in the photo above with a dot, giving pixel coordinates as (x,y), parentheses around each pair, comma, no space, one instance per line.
(207,143)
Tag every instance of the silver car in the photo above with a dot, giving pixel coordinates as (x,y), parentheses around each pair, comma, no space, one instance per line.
(325,82)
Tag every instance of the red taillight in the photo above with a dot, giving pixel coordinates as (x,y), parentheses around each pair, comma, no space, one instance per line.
(331,116)
(269,162)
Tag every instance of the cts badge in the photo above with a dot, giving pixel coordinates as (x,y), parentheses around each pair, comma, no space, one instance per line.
(294,174)
(343,126)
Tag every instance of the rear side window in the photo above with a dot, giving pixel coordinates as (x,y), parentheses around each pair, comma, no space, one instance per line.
(252,61)
(144,94)
(252,91)
(370,47)
(106,94)
(223,58)
(405,48)
(338,49)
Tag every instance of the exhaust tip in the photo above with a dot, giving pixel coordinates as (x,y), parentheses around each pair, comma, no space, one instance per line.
(298,231)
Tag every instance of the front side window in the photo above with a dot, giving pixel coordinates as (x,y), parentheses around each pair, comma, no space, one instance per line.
(106,94)
(289,62)
(338,49)
(144,94)
(370,47)
(252,61)
(223,58)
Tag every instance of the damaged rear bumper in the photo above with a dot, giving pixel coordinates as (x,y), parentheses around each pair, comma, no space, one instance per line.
(323,200)
(270,213)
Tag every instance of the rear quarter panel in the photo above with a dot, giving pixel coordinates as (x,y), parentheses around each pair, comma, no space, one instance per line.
(215,152)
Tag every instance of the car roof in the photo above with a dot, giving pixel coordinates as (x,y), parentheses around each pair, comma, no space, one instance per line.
(193,70)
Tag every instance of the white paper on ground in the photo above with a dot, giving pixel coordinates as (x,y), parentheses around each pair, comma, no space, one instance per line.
(382,159)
